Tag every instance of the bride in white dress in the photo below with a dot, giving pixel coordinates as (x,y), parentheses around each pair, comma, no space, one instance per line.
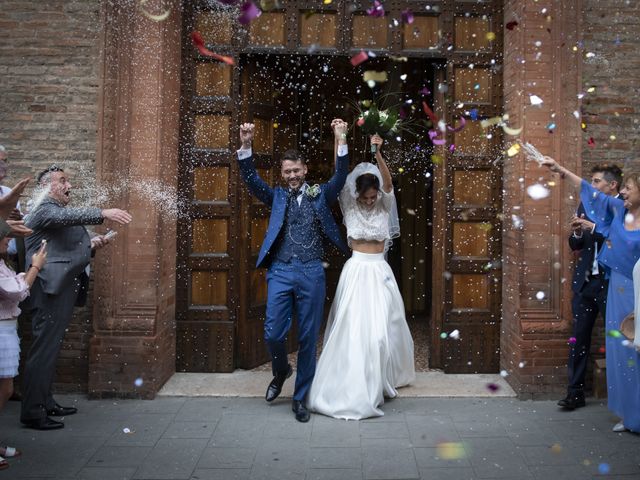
(368,349)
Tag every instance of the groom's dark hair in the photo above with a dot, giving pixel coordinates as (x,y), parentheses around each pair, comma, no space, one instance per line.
(293,155)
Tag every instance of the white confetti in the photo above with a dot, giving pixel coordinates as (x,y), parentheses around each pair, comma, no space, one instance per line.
(126,430)
(455,334)
(504,373)
(537,191)
(535,100)
(628,218)
(540,295)
(138,382)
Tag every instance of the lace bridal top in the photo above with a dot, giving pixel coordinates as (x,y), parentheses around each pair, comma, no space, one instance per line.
(379,222)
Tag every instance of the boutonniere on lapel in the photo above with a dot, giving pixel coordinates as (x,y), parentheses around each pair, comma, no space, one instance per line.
(313,191)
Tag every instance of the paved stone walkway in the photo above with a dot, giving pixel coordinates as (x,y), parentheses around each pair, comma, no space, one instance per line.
(244,438)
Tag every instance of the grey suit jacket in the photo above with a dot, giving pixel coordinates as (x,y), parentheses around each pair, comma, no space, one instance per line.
(68,243)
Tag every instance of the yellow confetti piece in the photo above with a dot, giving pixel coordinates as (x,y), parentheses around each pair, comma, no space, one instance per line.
(612,137)
(551,183)
(156,18)
(484,226)
(591,89)
(556,448)
(436,159)
(575,49)
(327,2)
(491,36)
(401,170)
(450,450)
(490,121)
(513,150)
(373,76)
(511,131)
(276,125)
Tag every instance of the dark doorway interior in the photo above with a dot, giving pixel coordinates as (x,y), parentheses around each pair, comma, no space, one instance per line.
(306,93)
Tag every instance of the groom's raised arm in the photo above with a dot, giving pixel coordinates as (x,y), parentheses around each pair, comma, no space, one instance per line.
(336,182)
(257,186)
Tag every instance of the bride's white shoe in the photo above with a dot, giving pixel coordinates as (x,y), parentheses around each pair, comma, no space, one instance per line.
(619,427)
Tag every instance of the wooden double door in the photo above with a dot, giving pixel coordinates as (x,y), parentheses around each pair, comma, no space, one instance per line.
(292,76)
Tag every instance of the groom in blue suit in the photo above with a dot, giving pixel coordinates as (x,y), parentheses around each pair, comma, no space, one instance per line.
(292,250)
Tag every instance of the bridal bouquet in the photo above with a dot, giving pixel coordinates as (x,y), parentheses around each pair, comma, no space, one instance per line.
(372,120)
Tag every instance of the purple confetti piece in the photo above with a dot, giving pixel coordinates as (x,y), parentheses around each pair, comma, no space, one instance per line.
(377,10)
(407,16)
(249,11)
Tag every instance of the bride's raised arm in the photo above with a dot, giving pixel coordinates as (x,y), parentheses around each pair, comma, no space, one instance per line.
(387,183)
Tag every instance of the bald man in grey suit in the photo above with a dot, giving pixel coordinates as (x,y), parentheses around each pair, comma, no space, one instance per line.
(61,284)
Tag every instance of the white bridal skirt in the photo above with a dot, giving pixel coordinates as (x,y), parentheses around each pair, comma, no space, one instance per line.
(9,348)
(368,349)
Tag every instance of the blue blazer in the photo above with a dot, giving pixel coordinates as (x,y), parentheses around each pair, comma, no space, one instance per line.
(277,199)
(586,245)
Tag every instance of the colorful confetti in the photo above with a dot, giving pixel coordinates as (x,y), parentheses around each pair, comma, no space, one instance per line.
(407,16)
(155,17)
(376,10)
(198,42)
(249,11)
(358,58)
(511,25)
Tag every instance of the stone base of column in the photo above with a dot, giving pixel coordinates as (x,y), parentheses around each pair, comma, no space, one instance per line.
(128,366)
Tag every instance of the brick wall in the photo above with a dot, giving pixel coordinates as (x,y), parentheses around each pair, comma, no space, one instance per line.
(49,66)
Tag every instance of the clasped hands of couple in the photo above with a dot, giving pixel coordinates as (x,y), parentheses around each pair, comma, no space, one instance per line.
(339,127)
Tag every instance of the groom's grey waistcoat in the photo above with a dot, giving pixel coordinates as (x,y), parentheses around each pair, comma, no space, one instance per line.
(301,235)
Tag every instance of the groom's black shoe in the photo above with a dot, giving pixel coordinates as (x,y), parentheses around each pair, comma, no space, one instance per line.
(275,387)
(302,414)
(571,402)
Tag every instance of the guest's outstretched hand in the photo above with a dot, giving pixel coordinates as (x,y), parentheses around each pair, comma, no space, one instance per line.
(121,216)
(98,242)
(18,229)
(39,258)
(551,164)
(9,201)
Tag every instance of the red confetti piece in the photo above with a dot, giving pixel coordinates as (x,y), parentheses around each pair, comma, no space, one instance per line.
(407,16)
(377,10)
(511,25)
(432,116)
(602,350)
(358,58)
(248,11)
(463,122)
(591,142)
(198,42)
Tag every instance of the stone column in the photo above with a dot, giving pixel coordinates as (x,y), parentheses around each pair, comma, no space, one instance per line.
(132,352)
(539,60)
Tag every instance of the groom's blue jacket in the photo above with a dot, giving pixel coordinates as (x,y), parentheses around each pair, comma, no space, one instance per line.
(277,199)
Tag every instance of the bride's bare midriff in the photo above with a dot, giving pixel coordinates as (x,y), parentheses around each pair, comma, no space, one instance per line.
(367,246)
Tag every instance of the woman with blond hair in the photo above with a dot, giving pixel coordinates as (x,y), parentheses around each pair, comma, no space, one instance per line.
(618,220)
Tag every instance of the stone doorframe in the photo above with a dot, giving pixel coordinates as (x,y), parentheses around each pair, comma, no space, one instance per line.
(138,125)
(134,304)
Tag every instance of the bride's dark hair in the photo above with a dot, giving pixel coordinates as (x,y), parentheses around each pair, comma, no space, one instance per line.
(366,181)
